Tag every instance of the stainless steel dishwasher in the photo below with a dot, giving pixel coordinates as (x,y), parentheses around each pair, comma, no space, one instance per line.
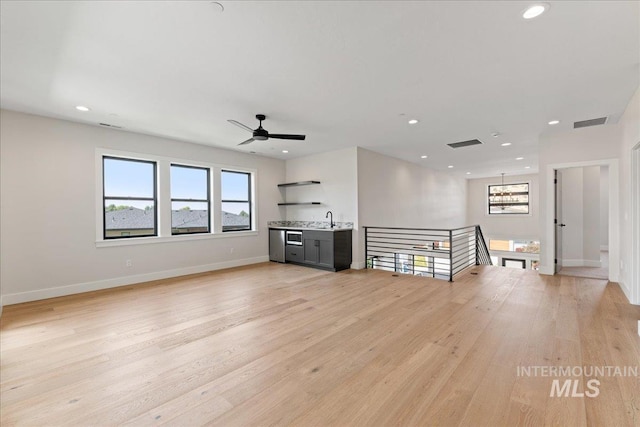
(276,245)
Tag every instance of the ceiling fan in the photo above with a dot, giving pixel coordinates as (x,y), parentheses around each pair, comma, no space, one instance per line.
(262,134)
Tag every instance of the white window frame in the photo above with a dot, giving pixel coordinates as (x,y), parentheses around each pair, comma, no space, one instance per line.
(163,180)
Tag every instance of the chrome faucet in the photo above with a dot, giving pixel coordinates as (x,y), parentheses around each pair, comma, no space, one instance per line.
(331,221)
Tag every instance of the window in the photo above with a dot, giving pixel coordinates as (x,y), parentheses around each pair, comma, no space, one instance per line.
(525,246)
(168,199)
(129,198)
(190,200)
(514,263)
(236,200)
(509,199)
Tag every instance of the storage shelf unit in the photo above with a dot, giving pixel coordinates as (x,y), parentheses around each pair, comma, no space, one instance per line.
(297,184)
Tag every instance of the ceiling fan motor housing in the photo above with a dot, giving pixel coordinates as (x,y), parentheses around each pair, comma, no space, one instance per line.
(260,134)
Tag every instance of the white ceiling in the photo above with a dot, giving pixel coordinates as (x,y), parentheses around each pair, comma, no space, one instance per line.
(343,73)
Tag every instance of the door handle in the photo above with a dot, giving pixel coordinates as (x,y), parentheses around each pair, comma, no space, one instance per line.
(562,225)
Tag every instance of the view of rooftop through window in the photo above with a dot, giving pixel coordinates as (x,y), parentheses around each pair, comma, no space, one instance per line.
(130,198)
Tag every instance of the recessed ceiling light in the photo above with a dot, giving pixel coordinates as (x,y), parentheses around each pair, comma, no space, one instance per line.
(285,151)
(468,173)
(423,157)
(413,121)
(519,158)
(450,166)
(527,167)
(554,122)
(505,144)
(535,10)
(82,108)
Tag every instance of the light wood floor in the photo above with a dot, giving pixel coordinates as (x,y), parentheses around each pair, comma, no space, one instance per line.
(275,344)
(589,272)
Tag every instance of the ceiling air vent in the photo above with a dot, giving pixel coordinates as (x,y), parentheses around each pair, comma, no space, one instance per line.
(107,125)
(465,143)
(590,122)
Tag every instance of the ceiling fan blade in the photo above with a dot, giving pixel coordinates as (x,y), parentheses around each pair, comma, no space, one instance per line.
(248,141)
(245,127)
(285,136)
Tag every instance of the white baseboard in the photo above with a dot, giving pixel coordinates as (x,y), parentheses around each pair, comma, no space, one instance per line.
(581,263)
(78,288)
(627,293)
(604,248)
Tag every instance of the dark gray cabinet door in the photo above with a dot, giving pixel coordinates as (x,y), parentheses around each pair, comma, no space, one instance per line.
(325,252)
(310,246)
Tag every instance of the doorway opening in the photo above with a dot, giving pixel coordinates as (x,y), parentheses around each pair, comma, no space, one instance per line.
(581,221)
(635,226)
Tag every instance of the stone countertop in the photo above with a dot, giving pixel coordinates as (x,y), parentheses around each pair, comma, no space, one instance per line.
(309,225)
(282,227)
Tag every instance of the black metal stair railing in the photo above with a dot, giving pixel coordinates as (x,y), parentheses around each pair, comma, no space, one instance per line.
(438,253)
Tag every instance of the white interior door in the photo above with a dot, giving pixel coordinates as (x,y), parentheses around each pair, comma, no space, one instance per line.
(558,220)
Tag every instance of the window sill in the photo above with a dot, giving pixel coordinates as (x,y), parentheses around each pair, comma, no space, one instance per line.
(170,239)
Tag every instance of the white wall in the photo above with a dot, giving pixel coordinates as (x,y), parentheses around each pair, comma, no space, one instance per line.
(337,191)
(604,208)
(48,221)
(396,193)
(503,226)
(591,146)
(630,255)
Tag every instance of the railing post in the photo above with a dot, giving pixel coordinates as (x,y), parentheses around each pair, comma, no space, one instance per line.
(451,255)
(477,245)
(366,251)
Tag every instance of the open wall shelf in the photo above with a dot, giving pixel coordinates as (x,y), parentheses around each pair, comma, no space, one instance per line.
(296,184)
(300,203)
